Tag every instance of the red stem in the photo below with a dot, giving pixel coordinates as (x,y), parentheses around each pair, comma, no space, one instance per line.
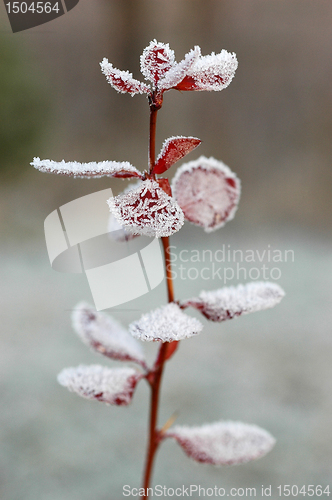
(168,265)
(152,140)
(155,376)
(154,433)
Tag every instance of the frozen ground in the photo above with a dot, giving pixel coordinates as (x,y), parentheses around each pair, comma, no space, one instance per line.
(271,368)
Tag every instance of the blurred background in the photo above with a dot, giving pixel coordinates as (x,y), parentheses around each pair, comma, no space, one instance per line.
(273,127)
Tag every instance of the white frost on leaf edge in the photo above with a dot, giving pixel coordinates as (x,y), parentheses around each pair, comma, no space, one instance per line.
(114,386)
(178,72)
(119,80)
(166,324)
(155,214)
(223,443)
(210,219)
(207,69)
(229,302)
(91,169)
(118,232)
(147,67)
(181,149)
(105,335)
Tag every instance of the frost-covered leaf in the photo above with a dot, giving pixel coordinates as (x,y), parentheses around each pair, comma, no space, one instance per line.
(229,302)
(166,324)
(117,232)
(179,70)
(156,60)
(122,81)
(207,191)
(147,210)
(173,150)
(114,386)
(105,335)
(223,443)
(122,170)
(212,72)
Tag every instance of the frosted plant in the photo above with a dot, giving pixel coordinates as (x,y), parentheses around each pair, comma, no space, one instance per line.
(204,192)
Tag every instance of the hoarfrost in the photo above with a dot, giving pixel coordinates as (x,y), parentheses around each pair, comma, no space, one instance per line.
(114,386)
(212,72)
(122,81)
(147,210)
(158,65)
(117,232)
(157,59)
(178,72)
(167,323)
(118,169)
(223,443)
(174,148)
(105,335)
(207,191)
(229,302)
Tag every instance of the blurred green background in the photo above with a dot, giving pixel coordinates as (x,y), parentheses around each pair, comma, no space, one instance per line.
(273,127)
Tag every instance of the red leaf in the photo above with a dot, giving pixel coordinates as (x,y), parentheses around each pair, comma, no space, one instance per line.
(123,81)
(105,335)
(212,72)
(147,210)
(230,302)
(164,184)
(121,170)
(207,191)
(223,443)
(166,324)
(157,59)
(171,348)
(173,150)
(114,386)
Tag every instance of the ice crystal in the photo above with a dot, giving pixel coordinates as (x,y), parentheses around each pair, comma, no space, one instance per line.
(207,191)
(178,72)
(118,169)
(168,323)
(122,81)
(105,335)
(147,210)
(156,60)
(223,443)
(212,72)
(117,232)
(114,386)
(174,148)
(229,302)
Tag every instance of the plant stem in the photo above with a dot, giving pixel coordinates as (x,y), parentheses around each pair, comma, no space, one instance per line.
(168,265)
(152,138)
(154,433)
(156,373)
